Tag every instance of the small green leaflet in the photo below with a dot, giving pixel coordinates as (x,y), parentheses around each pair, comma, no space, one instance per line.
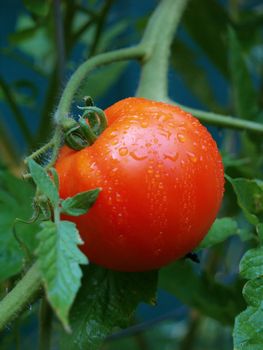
(251,265)
(248,330)
(219,232)
(81,203)
(106,300)
(250,197)
(44,182)
(59,259)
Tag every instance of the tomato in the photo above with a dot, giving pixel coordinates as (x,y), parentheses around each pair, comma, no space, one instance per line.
(162,184)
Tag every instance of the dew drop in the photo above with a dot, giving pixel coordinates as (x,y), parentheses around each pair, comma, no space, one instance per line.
(150,171)
(181,138)
(171,156)
(123,151)
(114,142)
(192,157)
(137,156)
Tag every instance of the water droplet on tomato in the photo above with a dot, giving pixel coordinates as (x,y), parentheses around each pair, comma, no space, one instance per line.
(114,142)
(192,157)
(144,124)
(181,137)
(171,156)
(137,155)
(123,151)
(150,170)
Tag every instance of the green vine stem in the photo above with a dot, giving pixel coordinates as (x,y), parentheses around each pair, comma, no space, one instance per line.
(157,39)
(25,292)
(223,121)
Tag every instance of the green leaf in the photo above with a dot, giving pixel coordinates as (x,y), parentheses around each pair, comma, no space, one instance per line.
(38,7)
(248,330)
(81,203)
(219,232)
(15,202)
(44,182)
(107,299)
(249,196)
(253,292)
(211,39)
(259,229)
(59,258)
(245,98)
(202,292)
(251,265)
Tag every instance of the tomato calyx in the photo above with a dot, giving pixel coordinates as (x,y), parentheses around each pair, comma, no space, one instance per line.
(84,132)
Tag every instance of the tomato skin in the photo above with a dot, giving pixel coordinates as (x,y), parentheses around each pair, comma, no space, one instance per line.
(162,183)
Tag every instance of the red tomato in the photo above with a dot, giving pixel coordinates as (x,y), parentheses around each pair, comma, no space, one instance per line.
(162,183)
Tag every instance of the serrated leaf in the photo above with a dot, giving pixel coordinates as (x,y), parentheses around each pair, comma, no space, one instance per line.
(59,258)
(15,202)
(248,330)
(219,232)
(245,98)
(80,203)
(106,300)
(251,265)
(44,182)
(253,292)
(38,7)
(249,196)
(202,292)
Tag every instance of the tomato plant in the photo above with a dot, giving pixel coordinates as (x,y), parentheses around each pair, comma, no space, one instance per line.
(161,177)
(114,208)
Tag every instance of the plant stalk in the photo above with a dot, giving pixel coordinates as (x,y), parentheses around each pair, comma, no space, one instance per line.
(158,38)
(81,73)
(25,292)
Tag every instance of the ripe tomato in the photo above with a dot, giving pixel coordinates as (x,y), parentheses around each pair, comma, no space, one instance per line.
(162,184)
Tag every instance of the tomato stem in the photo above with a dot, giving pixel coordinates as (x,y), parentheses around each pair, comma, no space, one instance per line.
(225,121)
(81,73)
(157,39)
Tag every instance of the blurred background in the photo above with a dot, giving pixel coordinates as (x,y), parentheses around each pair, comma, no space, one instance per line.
(216,65)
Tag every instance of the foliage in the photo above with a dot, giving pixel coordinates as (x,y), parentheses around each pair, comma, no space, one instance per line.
(218,47)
